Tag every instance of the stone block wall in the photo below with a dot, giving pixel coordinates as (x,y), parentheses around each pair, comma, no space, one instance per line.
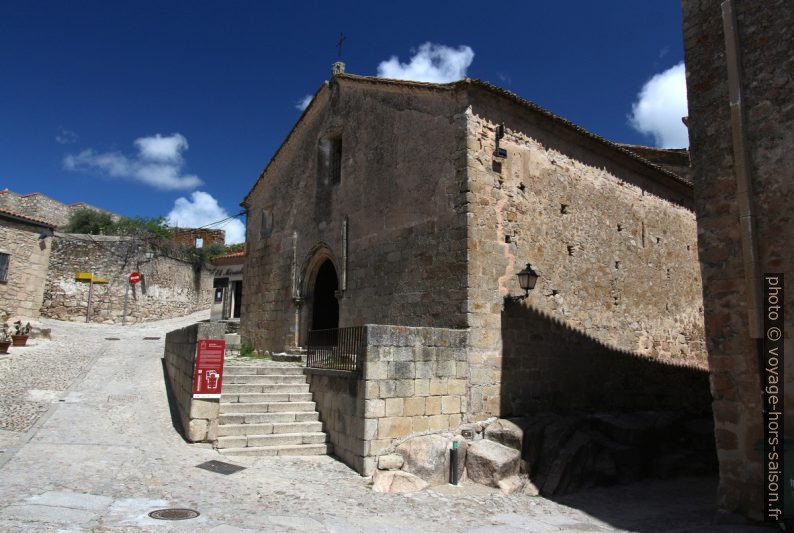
(766,54)
(23,292)
(612,238)
(413,381)
(340,398)
(171,286)
(199,416)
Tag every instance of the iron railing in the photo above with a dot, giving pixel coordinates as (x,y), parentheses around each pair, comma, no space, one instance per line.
(336,349)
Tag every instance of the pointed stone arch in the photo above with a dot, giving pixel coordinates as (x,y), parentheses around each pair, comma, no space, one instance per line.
(319,286)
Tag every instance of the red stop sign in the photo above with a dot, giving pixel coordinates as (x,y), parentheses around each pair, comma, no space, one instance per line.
(134,278)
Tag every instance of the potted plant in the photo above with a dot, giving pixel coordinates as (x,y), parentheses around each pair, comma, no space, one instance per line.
(5,338)
(20,335)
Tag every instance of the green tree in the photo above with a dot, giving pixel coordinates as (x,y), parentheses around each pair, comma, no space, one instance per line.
(100,223)
(90,222)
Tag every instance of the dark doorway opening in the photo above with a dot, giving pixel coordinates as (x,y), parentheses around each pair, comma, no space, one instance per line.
(238,299)
(325,309)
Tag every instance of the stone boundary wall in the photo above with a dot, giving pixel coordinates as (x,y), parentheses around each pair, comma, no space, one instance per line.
(170,287)
(199,416)
(413,381)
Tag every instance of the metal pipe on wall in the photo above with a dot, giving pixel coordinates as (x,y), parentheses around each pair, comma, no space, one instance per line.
(742,172)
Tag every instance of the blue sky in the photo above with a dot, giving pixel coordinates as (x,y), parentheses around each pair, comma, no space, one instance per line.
(133,106)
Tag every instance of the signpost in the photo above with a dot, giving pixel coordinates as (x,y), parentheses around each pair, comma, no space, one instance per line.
(91,279)
(209,368)
(133,278)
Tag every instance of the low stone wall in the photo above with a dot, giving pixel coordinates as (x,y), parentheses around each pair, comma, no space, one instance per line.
(340,400)
(414,380)
(199,416)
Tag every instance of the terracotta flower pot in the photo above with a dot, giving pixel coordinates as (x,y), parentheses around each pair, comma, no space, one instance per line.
(19,340)
(4,346)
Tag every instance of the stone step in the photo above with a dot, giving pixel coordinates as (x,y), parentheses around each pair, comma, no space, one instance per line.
(266,407)
(273,439)
(290,357)
(258,379)
(232,370)
(268,418)
(229,430)
(240,388)
(267,397)
(300,449)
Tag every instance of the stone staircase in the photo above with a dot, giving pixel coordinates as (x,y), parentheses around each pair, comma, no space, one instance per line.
(266,409)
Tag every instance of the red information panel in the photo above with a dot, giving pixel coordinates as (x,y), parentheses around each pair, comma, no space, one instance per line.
(209,368)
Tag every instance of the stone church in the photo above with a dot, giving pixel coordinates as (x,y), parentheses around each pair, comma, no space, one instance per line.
(417,204)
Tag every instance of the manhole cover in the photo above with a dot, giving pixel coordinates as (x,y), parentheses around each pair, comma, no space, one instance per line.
(174,514)
(220,467)
(151,338)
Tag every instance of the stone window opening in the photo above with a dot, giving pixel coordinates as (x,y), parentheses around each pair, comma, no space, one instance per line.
(5,260)
(266,224)
(329,160)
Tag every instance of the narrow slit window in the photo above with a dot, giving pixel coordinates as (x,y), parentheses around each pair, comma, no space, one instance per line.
(5,259)
(329,160)
(336,160)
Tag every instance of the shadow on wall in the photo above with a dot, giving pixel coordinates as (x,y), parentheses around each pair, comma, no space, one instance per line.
(550,366)
(593,415)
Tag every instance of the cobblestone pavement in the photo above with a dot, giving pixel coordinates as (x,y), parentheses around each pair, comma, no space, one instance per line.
(96,451)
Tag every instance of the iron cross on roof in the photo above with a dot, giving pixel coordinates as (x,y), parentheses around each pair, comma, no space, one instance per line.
(339,44)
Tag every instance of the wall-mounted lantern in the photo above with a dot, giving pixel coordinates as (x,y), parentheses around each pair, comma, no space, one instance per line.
(527,279)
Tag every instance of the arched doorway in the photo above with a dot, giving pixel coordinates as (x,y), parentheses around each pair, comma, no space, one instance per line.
(325,307)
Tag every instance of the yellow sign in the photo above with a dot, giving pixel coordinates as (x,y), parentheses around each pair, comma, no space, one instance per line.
(89,276)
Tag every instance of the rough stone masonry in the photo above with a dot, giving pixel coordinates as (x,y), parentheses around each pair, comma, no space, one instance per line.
(426,225)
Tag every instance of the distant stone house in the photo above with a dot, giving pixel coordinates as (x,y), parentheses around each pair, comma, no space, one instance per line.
(416,204)
(227,286)
(43,207)
(24,257)
(42,265)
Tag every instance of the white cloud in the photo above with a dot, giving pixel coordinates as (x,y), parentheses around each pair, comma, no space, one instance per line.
(159,148)
(158,163)
(659,107)
(202,209)
(304,102)
(65,136)
(433,63)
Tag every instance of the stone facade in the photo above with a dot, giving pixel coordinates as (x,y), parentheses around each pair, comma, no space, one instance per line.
(43,207)
(22,292)
(199,416)
(395,232)
(426,227)
(227,272)
(614,242)
(413,381)
(189,236)
(171,285)
(766,57)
